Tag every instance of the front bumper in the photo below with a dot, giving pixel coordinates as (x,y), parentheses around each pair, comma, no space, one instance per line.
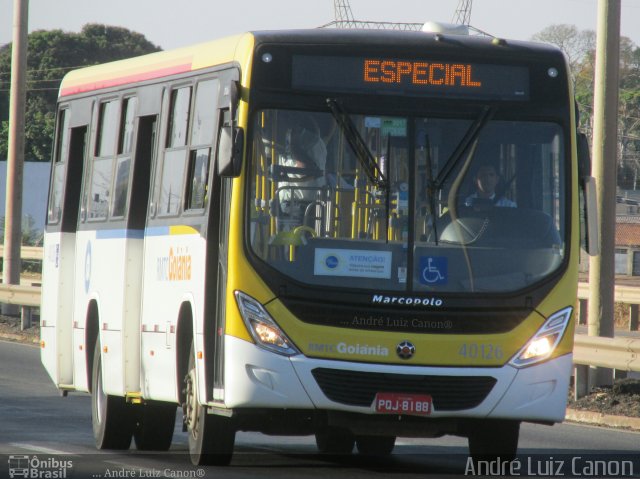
(261,379)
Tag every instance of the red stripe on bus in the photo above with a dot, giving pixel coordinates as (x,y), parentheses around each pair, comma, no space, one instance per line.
(113,82)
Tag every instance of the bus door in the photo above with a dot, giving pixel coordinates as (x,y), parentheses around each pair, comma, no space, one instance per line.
(216,278)
(176,234)
(144,156)
(217,250)
(181,245)
(60,243)
(110,237)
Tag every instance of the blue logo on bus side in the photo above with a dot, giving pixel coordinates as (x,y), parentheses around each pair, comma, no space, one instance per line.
(331,262)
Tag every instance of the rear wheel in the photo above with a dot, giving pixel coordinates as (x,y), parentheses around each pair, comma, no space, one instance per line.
(493,439)
(156,422)
(334,440)
(375,445)
(112,417)
(211,437)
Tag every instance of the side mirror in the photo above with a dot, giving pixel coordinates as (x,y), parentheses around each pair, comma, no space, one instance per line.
(592,236)
(234,97)
(230,149)
(584,156)
(588,184)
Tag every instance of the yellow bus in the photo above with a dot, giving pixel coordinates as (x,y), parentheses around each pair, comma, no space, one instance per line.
(357,235)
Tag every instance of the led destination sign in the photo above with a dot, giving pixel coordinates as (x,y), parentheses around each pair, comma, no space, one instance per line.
(419,73)
(416,77)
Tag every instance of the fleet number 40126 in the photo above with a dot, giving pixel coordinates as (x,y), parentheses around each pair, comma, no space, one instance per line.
(480,351)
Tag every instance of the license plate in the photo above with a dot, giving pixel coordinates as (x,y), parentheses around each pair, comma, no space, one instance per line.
(399,403)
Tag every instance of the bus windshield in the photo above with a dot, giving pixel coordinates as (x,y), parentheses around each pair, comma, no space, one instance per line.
(401,203)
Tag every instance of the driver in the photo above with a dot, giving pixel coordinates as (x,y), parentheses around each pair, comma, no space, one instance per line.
(305,150)
(485,181)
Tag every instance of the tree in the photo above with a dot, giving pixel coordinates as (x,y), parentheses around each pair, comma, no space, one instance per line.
(52,53)
(579,47)
(629,116)
(576,45)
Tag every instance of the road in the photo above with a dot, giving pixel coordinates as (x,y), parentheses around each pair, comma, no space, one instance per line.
(53,434)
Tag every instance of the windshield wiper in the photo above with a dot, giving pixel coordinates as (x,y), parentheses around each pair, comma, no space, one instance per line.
(431,188)
(469,137)
(358,145)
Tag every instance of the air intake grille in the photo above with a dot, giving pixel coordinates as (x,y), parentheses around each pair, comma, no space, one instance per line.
(449,393)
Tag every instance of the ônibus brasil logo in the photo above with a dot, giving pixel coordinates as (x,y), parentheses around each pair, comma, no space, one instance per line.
(35,467)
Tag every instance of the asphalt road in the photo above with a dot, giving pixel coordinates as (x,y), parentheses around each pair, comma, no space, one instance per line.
(43,432)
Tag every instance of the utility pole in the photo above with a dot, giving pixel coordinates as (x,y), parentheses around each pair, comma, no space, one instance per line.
(15,158)
(605,130)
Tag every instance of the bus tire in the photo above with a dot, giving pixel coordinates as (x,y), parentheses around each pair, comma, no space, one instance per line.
(375,445)
(211,437)
(335,440)
(111,416)
(494,439)
(156,422)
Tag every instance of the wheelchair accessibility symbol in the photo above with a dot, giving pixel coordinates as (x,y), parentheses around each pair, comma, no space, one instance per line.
(433,270)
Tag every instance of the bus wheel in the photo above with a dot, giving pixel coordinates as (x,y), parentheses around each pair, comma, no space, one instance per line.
(375,445)
(493,439)
(111,416)
(334,440)
(154,430)
(211,437)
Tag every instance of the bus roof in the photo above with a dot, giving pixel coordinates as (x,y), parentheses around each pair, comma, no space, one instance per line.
(401,38)
(239,49)
(156,65)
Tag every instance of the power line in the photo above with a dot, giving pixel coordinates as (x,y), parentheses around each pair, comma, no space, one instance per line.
(4,90)
(344,19)
(40,70)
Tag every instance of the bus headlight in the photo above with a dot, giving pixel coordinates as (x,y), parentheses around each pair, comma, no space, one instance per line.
(262,327)
(545,341)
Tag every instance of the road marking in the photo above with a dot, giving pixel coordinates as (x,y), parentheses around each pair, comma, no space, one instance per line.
(40,449)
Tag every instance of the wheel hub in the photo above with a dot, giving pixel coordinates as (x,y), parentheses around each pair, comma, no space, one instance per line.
(190,406)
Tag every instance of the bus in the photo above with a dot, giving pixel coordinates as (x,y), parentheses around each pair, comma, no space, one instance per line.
(291,232)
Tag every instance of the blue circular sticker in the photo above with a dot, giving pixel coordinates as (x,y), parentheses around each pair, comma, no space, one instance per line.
(331,262)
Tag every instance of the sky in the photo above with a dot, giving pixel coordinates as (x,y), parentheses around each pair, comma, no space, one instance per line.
(177,23)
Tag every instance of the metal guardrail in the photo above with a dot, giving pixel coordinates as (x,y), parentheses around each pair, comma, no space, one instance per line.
(27,252)
(623,294)
(621,354)
(19,294)
(27,297)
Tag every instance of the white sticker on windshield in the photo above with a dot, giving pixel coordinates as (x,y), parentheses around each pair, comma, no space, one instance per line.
(353,263)
(372,122)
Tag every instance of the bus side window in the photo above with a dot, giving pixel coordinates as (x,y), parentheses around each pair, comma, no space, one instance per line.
(123,162)
(202,138)
(198,176)
(175,152)
(59,168)
(102,165)
(145,156)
